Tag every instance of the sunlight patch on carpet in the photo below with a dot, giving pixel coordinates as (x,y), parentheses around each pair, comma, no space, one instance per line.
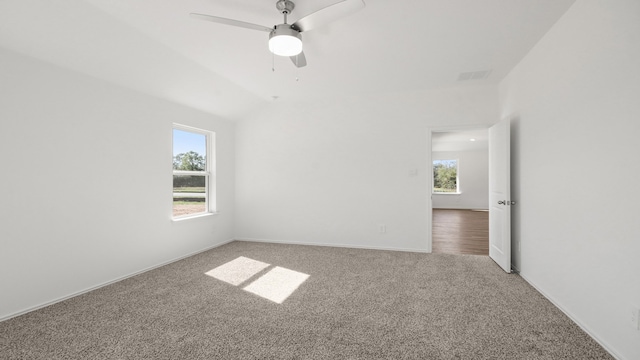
(237,271)
(278,284)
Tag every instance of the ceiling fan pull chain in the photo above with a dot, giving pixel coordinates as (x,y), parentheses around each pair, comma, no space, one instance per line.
(273,62)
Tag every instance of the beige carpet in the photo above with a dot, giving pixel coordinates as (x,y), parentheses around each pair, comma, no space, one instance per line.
(267,301)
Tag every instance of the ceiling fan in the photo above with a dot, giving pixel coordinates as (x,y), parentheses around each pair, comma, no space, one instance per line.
(286,39)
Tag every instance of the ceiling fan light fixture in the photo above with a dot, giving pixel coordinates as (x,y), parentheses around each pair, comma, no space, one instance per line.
(285,41)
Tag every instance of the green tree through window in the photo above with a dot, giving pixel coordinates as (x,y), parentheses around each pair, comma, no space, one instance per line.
(445,176)
(189,161)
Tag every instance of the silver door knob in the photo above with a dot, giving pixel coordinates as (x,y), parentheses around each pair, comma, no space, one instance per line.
(502,202)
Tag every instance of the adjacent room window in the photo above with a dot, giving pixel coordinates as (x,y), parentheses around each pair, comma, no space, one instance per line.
(445,176)
(193,182)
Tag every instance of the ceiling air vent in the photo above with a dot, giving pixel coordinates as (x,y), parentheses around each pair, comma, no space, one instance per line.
(474,75)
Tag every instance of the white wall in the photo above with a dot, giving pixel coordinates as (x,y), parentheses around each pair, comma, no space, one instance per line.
(331,171)
(473,180)
(86,183)
(575,103)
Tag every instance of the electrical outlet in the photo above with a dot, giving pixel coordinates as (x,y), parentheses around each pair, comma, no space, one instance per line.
(383,228)
(635,318)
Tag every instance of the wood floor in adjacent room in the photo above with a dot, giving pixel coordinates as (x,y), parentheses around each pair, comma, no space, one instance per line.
(460,232)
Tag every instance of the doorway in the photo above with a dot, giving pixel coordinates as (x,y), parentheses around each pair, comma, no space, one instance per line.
(460,191)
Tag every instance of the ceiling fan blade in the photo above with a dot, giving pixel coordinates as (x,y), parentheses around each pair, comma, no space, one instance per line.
(299,60)
(231,22)
(329,14)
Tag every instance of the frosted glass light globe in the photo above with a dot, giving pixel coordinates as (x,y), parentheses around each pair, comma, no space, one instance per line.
(285,41)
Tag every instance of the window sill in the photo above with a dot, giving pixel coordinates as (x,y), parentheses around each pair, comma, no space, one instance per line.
(446,193)
(196,216)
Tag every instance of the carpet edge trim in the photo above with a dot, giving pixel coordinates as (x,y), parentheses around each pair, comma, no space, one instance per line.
(573,318)
(332,245)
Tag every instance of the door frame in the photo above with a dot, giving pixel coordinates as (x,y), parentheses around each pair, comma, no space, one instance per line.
(430,131)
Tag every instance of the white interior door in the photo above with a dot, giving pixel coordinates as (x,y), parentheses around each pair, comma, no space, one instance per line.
(500,194)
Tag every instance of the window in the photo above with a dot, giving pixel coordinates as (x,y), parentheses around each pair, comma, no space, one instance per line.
(445,176)
(192,171)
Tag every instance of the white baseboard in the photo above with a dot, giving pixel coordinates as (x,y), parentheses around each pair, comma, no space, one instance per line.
(459,208)
(585,328)
(333,245)
(48,303)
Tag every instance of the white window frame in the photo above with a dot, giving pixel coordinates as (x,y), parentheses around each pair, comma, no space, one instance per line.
(457,192)
(209,173)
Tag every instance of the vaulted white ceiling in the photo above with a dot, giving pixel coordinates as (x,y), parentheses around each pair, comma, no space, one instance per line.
(396,46)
